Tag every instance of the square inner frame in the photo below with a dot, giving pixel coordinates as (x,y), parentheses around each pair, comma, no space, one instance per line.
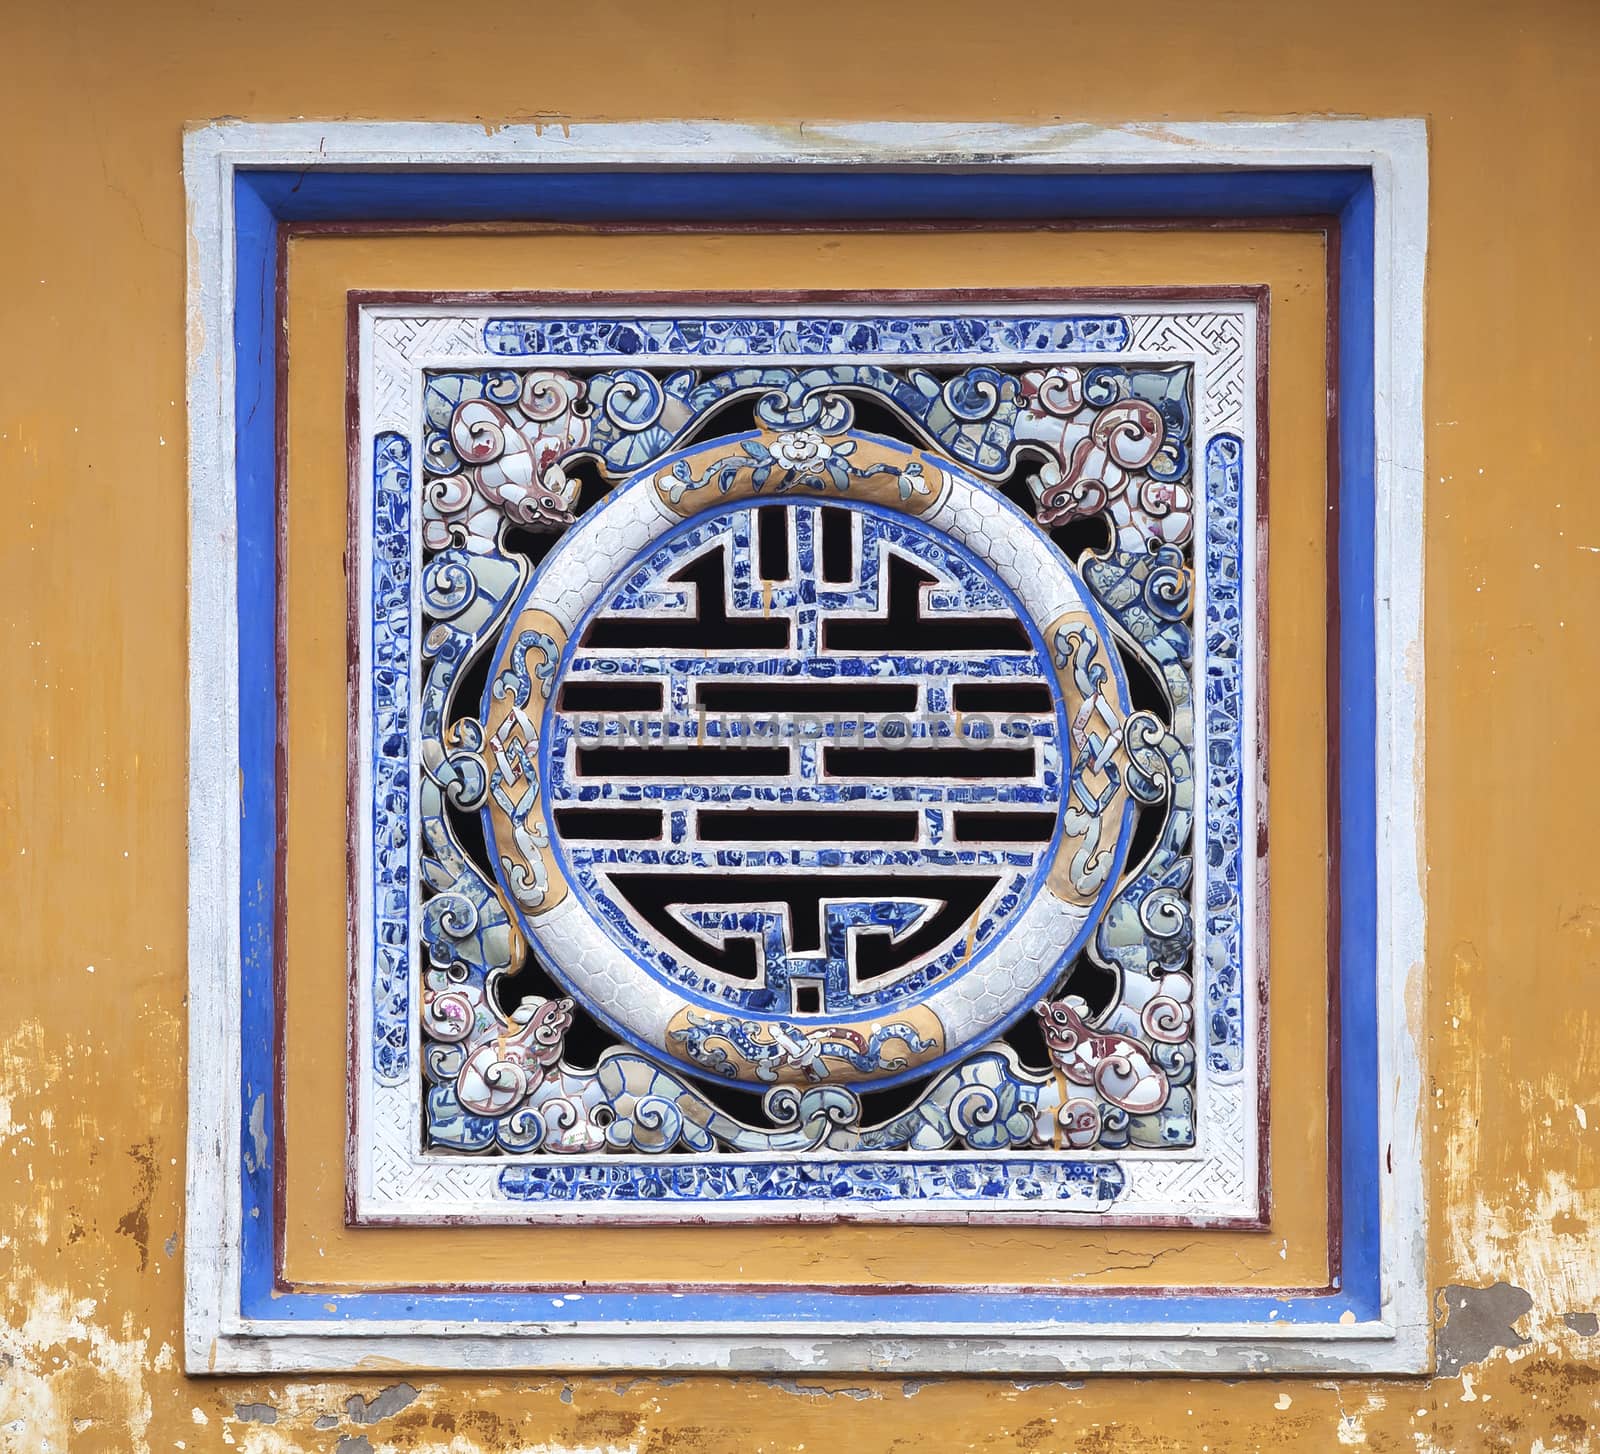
(319,1250)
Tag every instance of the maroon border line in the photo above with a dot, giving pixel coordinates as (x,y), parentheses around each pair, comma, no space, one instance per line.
(379,227)
(1232,292)
(352,775)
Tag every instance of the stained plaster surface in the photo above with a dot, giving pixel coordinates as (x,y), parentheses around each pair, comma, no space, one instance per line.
(91,779)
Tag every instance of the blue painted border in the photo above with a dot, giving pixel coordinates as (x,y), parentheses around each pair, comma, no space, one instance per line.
(263,199)
(255,408)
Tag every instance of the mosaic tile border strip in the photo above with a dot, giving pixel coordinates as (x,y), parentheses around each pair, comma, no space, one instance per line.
(971,335)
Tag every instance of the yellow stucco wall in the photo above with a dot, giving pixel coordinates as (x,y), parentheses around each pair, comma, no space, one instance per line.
(92,1070)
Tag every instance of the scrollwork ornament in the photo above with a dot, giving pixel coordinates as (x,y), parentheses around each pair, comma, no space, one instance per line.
(1057,391)
(1169,586)
(1169,1017)
(1144,738)
(448,1015)
(1076,1125)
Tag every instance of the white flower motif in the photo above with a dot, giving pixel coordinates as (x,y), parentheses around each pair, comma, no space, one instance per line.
(805,450)
(912,481)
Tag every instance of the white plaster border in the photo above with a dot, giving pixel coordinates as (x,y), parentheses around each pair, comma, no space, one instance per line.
(397,1182)
(218,1339)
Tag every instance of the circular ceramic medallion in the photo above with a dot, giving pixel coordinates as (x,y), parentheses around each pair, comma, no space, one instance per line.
(806,761)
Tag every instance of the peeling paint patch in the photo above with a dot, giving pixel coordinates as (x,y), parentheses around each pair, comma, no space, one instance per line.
(48,1348)
(383,1405)
(1586,1325)
(135,1223)
(258,1135)
(255,1413)
(1477,1321)
(814,1390)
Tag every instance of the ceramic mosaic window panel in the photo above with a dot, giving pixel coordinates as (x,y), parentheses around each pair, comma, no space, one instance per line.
(805,759)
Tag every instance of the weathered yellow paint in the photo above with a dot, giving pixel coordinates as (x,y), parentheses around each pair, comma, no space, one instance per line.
(322,270)
(91,429)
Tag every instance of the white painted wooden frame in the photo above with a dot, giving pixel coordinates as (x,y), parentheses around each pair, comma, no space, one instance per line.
(219,1338)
